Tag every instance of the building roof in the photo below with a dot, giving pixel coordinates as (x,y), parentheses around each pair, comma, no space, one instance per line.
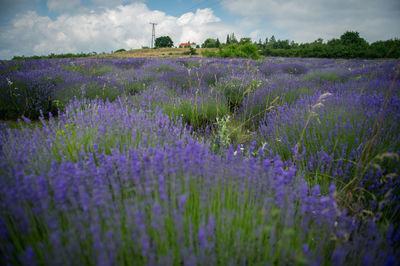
(187,44)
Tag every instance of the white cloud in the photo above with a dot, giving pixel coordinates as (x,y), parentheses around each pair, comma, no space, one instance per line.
(201,17)
(108,2)
(308,20)
(104,30)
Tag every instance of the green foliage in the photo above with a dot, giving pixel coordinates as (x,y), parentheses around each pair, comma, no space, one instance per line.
(294,69)
(349,45)
(277,44)
(247,50)
(52,56)
(350,38)
(192,51)
(120,50)
(232,38)
(209,53)
(132,88)
(384,49)
(163,41)
(71,138)
(249,224)
(244,40)
(222,130)
(312,132)
(18,99)
(104,91)
(321,76)
(209,43)
(229,131)
(236,89)
(99,70)
(197,113)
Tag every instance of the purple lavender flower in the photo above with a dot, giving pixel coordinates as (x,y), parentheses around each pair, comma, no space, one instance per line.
(182,202)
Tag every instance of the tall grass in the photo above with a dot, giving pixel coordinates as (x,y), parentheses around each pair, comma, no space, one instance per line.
(198,112)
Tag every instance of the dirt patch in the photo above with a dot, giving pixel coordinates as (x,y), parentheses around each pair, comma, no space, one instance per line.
(159,52)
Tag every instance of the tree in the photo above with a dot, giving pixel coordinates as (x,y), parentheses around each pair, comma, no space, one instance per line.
(217,43)
(355,46)
(247,50)
(191,51)
(349,45)
(232,38)
(282,44)
(228,40)
(163,41)
(259,44)
(384,49)
(244,40)
(209,43)
(272,42)
(335,48)
(352,38)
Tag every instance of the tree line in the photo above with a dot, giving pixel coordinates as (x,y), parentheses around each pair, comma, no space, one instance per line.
(53,56)
(349,45)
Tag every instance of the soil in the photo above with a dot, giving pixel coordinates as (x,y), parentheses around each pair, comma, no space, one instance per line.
(159,52)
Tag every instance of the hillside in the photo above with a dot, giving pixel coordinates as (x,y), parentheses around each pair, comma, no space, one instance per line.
(159,52)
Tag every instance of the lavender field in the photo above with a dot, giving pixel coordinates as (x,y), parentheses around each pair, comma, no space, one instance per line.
(199,162)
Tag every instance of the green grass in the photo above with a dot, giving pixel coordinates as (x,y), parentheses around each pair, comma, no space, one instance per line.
(322,76)
(198,114)
(18,99)
(235,90)
(230,215)
(15,124)
(240,225)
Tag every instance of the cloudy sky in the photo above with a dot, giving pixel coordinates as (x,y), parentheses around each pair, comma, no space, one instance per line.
(40,27)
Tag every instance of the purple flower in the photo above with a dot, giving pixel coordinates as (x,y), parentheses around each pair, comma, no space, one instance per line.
(182,202)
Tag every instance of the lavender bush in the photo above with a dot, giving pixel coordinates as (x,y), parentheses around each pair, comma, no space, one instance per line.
(201,162)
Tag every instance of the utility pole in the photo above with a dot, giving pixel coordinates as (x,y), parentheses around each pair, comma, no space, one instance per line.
(153,34)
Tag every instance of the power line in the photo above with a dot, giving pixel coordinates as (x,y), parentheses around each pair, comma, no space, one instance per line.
(184,11)
(153,34)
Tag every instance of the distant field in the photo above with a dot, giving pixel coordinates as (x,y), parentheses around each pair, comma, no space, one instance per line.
(159,52)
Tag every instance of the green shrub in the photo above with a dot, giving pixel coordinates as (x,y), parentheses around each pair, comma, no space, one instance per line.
(191,51)
(52,56)
(120,50)
(294,69)
(132,88)
(247,50)
(198,114)
(20,99)
(235,90)
(209,53)
(321,76)
(100,70)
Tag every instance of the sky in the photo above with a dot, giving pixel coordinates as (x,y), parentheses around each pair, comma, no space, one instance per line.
(41,27)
